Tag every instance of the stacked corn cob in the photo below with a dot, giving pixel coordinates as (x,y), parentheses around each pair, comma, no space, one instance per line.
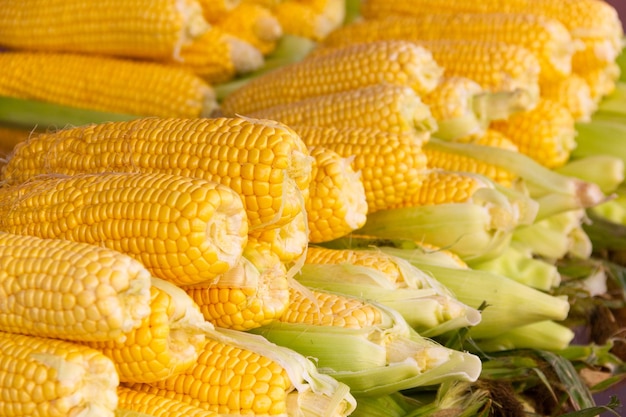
(330,200)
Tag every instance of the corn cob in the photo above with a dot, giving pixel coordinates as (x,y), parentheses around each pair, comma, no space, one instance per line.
(547,38)
(130,400)
(239,373)
(458,162)
(392,108)
(389,163)
(72,291)
(182,229)
(601,81)
(253,23)
(305,20)
(336,204)
(574,93)
(545,133)
(254,293)
(106,84)
(288,241)
(396,62)
(217,56)
(438,186)
(41,377)
(266,163)
(213,10)
(166,343)
(585,19)
(138,28)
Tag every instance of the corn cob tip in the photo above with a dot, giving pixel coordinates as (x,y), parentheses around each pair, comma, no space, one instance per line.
(244,56)
(193,14)
(268,29)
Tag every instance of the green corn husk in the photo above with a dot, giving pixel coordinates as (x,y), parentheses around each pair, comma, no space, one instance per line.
(478,229)
(519,264)
(553,192)
(544,335)
(556,237)
(510,304)
(428,310)
(389,405)
(607,171)
(376,360)
(600,137)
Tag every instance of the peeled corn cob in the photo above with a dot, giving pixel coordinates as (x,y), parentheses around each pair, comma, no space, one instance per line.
(545,133)
(138,28)
(67,290)
(217,56)
(265,162)
(303,19)
(182,229)
(288,241)
(255,292)
(130,400)
(105,83)
(213,10)
(241,373)
(547,38)
(389,163)
(396,62)
(392,108)
(336,204)
(574,93)
(166,343)
(42,377)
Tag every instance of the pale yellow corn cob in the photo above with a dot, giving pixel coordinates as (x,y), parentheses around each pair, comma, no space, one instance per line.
(547,38)
(601,81)
(324,308)
(336,204)
(253,23)
(389,107)
(396,62)
(252,294)
(68,290)
(132,28)
(439,186)
(228,380)
(106,83)
(585,19)
(455,162)
(574,93)
(43,377)
(157,405)
(389,163)
(185,230)
(217,56)
(289,241)
(545,133)
(167,342)
(265,162)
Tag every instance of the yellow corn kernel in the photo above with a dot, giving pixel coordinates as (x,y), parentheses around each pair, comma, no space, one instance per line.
(166,343)
(133,28)
(393,108)
(252,294)
(439,186)
(389,163)
(253,23)
(213,10)
(217,56)
(185,230)
(157,405)
(322,308)
(374,259)
(336,205)
(585,19)
(42,377)
(289,241)
(546,133)
(228,379)
(547,38)
(106,83)
(395,62)
(574,93)
(455,162)
(68,290)
(601,81)
(265,162)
